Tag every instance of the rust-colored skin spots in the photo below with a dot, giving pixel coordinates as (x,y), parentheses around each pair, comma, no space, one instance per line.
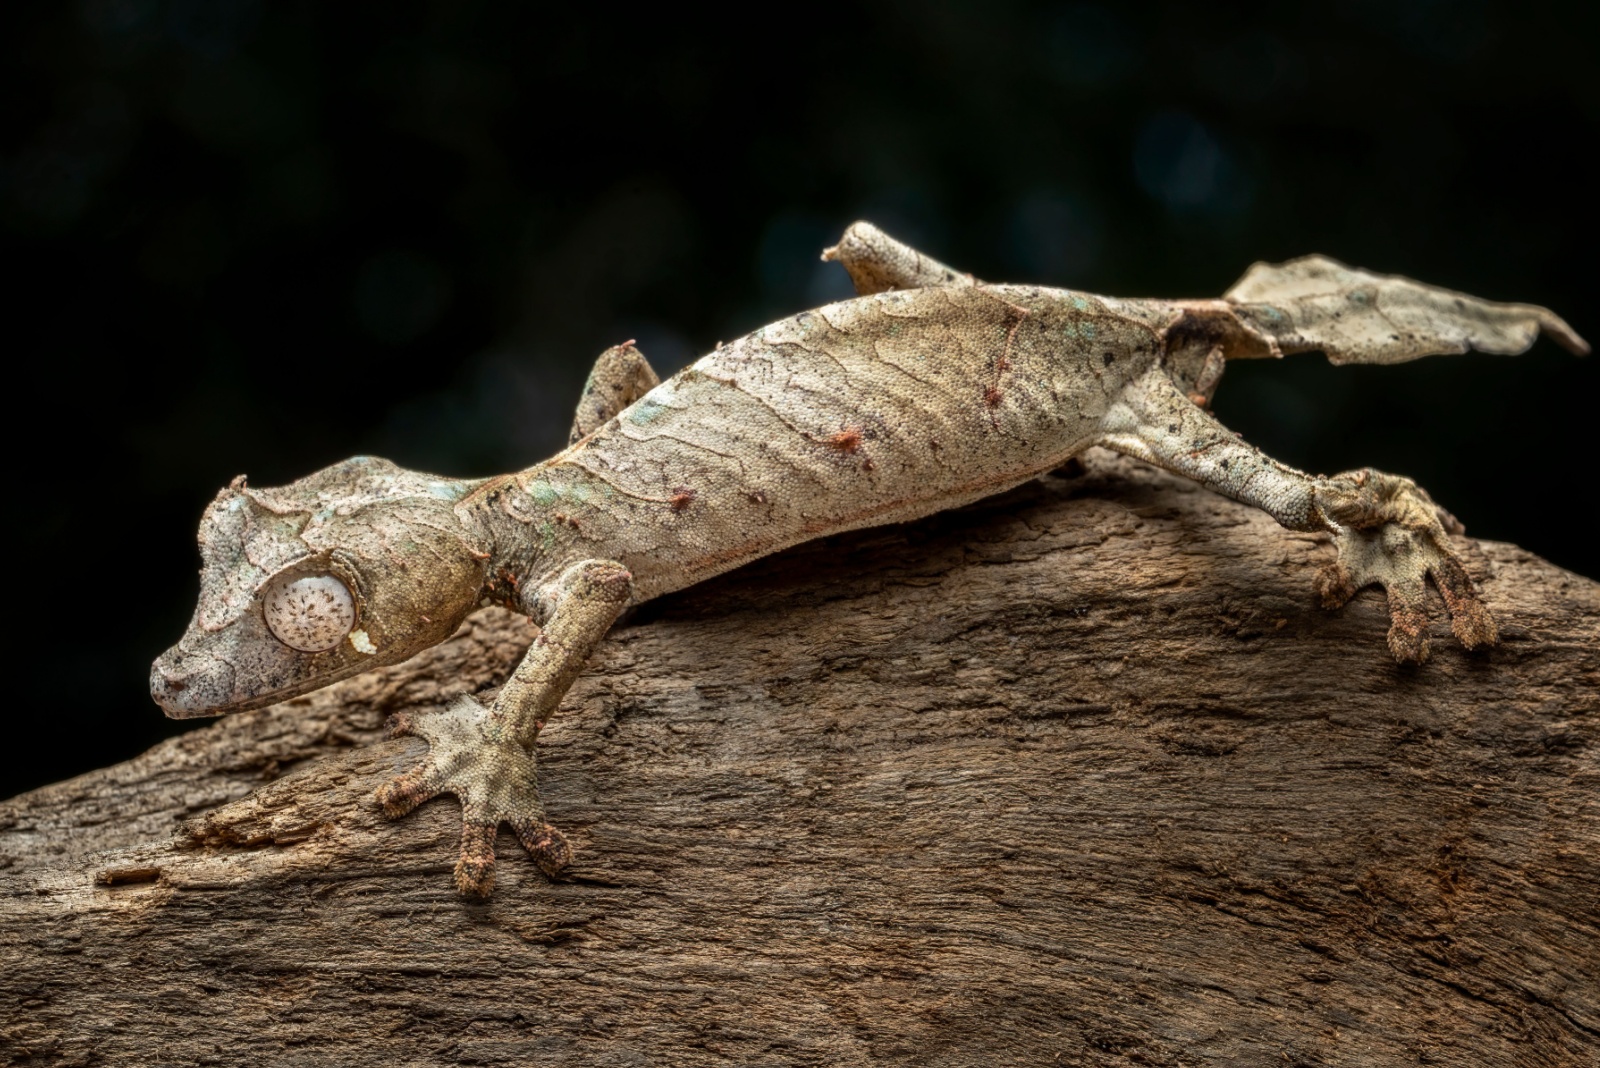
(847,440)
(937,388)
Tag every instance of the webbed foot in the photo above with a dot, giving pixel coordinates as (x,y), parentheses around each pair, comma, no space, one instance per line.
(1392,534)
(472,756)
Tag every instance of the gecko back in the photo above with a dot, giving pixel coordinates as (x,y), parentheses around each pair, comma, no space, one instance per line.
(874,410)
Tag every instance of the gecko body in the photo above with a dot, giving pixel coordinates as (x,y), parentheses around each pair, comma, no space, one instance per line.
(927,391)
(876,410)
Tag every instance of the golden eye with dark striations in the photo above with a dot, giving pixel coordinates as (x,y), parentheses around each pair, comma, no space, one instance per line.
(312,614)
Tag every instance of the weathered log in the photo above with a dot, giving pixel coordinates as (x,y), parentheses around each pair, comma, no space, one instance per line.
(1078,775)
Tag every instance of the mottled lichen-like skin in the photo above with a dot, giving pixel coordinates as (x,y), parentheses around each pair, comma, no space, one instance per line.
(928,391)
(874,410)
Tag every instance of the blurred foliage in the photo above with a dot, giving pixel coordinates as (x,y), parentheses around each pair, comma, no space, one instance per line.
(252,237)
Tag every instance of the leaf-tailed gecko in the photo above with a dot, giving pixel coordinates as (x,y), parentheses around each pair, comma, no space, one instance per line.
(927,391)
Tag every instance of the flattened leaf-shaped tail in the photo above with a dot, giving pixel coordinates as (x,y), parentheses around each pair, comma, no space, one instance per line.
(1356,316)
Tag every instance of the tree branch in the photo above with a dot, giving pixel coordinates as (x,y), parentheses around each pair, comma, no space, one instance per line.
(1078,771)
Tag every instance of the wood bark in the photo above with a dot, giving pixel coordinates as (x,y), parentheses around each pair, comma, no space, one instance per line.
(1078,775)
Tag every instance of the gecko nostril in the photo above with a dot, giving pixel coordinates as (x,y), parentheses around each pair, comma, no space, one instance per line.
(167,680)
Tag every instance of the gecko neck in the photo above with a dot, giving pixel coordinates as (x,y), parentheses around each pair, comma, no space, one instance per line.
(526,541)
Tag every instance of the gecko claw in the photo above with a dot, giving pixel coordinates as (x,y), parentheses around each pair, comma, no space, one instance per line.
(493,777)
(1391,534)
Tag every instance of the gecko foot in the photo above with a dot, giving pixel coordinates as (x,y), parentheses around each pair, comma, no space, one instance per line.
(471,756)
(1390,533)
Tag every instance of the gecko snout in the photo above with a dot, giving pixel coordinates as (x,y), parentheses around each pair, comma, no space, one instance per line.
(182,691)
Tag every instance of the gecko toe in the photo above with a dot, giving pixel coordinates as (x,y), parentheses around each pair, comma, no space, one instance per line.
(548,846)
(1473,624)
(475,869)
(1334,586)
(1408,627)
(1469,618)
(400,795)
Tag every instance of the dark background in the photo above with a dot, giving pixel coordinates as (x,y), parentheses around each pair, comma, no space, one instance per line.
(250,237)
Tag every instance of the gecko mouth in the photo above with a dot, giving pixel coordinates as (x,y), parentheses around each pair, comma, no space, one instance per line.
(212,677)
(212,692)
(187,686)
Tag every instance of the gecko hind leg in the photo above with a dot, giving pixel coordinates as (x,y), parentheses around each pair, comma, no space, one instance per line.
(877,262)
(1387,531)
(620,376)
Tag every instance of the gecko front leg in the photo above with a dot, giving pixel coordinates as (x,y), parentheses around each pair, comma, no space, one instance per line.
(485,756)
(1387,530)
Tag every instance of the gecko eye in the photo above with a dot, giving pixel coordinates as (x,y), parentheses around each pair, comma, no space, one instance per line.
(312,614)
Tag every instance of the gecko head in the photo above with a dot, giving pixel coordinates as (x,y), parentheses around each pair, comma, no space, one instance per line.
(359,565)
